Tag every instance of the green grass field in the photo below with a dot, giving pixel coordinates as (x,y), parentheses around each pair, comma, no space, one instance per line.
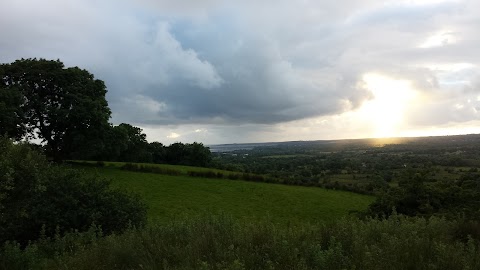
(170,197)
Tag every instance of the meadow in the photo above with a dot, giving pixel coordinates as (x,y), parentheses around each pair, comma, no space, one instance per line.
(170,197)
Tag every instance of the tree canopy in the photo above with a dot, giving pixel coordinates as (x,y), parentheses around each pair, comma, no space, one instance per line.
(128,143)
(65,107)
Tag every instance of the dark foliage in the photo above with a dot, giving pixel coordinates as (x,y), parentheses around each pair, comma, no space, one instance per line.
(11,113)
(36,196)
(128,143)
(65,107)
(416,196)
(149,169)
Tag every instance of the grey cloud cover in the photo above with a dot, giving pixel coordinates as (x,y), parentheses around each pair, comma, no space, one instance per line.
(256,64)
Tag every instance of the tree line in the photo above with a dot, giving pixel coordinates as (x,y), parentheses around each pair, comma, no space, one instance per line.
(127,143)
(66,109)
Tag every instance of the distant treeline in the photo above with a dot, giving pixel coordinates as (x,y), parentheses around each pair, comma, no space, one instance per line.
(127,143)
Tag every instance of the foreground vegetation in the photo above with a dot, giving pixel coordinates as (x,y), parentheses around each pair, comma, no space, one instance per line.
(38,198)
(222,243)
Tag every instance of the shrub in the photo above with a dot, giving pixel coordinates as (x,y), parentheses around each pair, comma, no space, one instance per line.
(35,194)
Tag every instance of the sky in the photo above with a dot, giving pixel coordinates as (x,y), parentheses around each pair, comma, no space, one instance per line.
(260,71)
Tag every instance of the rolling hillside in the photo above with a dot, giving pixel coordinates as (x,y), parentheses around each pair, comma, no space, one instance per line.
(170,197)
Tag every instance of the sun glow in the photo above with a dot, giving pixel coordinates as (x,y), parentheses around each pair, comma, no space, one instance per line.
(439,39)
(385,111)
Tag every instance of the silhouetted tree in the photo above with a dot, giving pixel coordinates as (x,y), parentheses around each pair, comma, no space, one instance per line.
(136,144)
(176,153)
(65,107)
(157,151)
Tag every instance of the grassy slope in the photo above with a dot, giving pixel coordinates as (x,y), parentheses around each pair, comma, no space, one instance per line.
(173,196)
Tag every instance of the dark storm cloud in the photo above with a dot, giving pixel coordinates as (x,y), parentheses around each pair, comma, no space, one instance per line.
(258,86)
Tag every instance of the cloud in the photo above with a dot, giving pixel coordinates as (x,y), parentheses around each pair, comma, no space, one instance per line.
(239,69)
(173,135)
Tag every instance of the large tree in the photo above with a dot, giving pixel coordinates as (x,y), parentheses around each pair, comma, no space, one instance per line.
(11,113)
(65,107)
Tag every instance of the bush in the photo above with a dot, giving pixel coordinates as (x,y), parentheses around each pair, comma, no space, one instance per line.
(36,196)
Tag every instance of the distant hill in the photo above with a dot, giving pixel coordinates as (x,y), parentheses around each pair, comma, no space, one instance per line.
(347,143)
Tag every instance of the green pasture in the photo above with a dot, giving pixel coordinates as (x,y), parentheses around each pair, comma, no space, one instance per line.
(171,197)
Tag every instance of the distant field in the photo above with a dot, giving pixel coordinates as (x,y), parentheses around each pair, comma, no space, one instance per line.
(169,197)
